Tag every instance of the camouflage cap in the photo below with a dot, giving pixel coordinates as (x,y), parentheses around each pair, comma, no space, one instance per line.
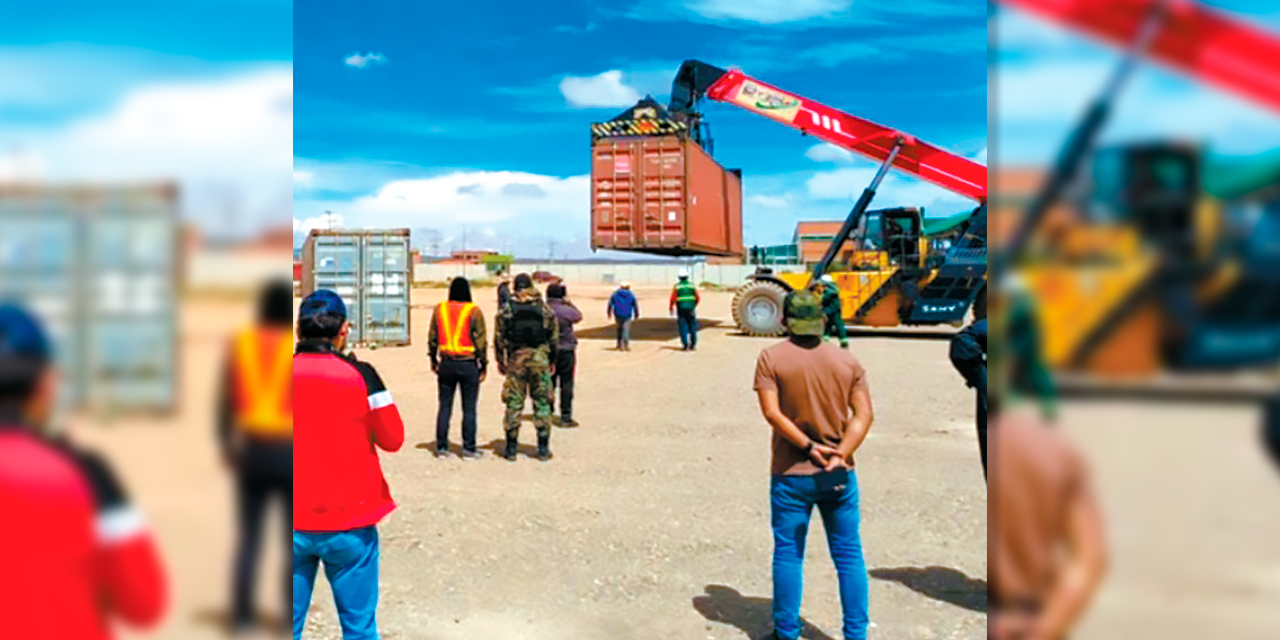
(802,311)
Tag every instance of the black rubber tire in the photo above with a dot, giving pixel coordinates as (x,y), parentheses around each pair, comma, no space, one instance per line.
(757,309)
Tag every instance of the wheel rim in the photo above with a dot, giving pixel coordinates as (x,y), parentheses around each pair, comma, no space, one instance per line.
(762,311)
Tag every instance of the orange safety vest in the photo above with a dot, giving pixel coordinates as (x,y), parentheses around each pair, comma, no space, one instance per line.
(264,383)
(453,324)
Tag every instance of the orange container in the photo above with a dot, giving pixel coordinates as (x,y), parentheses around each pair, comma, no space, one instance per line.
(663,195)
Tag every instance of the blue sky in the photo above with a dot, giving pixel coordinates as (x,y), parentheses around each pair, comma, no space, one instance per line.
(1046,75)
(400,105)
(195,91)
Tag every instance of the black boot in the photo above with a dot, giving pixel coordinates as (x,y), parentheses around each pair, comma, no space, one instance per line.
(544,446)
(510,452)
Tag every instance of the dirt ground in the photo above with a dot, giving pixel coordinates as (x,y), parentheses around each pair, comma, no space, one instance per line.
(652,519)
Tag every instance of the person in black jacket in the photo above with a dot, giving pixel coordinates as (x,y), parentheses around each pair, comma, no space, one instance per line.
(969,357)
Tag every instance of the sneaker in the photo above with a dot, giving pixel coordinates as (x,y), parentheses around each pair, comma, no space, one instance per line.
(568,423)
(471,454)
(443,453)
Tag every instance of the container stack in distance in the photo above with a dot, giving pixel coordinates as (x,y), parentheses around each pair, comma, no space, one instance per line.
(371,270)
(655,190)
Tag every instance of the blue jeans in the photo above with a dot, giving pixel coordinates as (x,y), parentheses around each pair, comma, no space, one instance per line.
(351,564)
(793,499)
(687,323)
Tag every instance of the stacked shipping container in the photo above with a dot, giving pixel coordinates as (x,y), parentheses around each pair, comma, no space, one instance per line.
(372,272)
(99,266)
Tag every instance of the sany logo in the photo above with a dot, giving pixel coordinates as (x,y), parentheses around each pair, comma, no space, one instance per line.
(826,122)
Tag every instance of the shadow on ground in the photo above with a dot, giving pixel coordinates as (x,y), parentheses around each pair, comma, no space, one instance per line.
(753,616)
(939,583)
(648,329)
(267,625)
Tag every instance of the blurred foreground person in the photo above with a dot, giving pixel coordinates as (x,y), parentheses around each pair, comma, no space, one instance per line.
(342,415)
(567,315)
(525,345)
(79,556)
(815,396)
(969,357)
(255,433)
(1046,543)
(684,304)
(623,309)
(459,352)
(1271,429)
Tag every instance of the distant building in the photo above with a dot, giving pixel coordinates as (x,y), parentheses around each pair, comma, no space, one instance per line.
(469,256)
(1014,189)
(813,238)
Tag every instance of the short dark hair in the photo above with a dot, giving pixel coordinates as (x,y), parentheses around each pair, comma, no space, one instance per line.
(19,375)
(556,291)
(275,305)
(320,326)
(523,281)
(459,290)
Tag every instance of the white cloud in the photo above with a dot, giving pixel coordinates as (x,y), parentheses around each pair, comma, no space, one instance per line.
(472,197)
(980,157)
(897,190)
(603,90)
(827,152)
(770,202)
(304,178)
(322,221)
(228,143)
(362,60)
(769,11)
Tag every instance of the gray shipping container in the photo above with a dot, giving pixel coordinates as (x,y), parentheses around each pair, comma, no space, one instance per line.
(371,270)
(99,266)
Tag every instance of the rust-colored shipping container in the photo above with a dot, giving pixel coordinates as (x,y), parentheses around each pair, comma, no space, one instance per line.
(663,195)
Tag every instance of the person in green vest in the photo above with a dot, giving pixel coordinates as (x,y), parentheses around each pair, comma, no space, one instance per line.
(1021,366)
(684,305)
(831,305)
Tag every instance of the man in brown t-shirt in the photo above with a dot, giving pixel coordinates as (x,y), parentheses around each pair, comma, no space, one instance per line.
(1045,540)
(815,396)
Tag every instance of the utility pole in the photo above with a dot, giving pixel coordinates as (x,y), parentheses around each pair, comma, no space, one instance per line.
(551,255)
(328,219)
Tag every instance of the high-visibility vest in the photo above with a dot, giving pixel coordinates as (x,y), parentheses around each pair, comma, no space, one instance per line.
(686,295)
(264,383)
(453,325)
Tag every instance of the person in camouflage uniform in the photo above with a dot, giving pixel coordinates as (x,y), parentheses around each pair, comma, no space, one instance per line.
(525,343)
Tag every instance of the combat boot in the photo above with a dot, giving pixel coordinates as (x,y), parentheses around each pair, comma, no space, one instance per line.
(510,451)
(544,447)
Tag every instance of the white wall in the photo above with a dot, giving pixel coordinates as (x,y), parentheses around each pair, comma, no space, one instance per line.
(215,269)
(638,274)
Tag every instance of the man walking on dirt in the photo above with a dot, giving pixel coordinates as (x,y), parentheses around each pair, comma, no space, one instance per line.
(816,397)
(684,304)
(567,315)
(343,414)
(525,346)
(623,308)
(458,349)
(255,434)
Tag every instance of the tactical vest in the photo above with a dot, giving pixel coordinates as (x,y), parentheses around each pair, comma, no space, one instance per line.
(453,326)
(263,384)
(527,328)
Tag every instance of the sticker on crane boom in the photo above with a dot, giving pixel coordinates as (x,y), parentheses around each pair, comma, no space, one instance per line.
(770,102)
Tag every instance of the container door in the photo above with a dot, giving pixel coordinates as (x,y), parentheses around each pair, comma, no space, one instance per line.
(38,241)
(663,192)
(336,267)
(131,276)
(613,188)
(385,285)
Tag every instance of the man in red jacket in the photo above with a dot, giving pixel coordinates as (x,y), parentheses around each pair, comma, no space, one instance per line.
(342,414)
(78,554)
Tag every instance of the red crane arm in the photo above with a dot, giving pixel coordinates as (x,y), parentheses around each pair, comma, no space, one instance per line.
(1193,39)
(917,157)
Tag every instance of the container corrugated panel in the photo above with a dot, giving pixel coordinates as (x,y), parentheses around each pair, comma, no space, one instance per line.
(371,270)
(99,266)
(663,195)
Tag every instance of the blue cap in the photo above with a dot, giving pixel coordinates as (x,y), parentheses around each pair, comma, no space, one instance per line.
(322,302)
(21,335)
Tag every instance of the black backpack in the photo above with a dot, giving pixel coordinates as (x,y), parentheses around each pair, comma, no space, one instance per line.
(527,330)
